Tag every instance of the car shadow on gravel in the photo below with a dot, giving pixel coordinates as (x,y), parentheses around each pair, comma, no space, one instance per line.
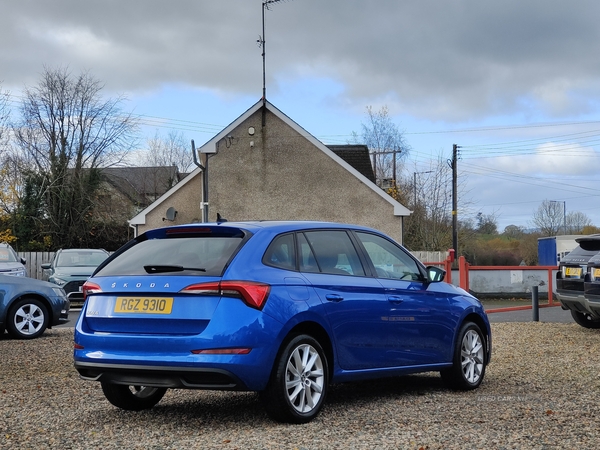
(191,409)
(372,390)
(220,410)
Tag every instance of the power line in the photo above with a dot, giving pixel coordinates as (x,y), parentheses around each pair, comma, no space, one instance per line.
(506,127)
(153,121)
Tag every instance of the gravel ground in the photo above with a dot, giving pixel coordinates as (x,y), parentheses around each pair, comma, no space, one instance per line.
(540,392)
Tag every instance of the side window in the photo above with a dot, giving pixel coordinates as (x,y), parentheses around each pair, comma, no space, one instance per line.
(334,252)
(307,260)
(390,261)
(281,253)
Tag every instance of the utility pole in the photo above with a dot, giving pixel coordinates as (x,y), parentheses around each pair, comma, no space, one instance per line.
(394,171)
(386,152)
(453,164)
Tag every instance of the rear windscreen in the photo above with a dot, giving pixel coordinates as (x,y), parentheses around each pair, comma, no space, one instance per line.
(195,255)
(579,255)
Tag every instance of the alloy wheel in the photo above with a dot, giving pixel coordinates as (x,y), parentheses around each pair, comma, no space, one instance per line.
(29,319)
(472,356)
(305,378)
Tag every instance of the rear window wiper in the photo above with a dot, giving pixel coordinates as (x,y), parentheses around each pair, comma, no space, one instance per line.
(164,268)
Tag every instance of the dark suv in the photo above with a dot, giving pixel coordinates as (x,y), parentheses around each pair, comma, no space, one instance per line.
(71,267)
(589,315)
(592,292)
(570,278)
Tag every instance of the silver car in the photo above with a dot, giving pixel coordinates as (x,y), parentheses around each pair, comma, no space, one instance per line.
(10,263)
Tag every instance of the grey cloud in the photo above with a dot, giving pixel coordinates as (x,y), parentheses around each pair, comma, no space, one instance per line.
(450,60)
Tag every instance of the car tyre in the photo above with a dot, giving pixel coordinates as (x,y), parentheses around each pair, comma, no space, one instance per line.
(132,398)
(585,320)
(299,382)
(27,318)
(469,360)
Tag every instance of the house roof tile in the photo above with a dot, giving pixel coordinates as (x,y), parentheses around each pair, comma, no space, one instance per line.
(357,156)
(141,183)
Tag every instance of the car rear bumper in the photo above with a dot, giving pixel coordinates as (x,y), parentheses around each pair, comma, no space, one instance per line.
(592,298)
(152,351)
(159,376)
(572,300)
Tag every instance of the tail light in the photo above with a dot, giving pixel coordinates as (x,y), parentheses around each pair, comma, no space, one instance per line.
(252,293)
(90,288)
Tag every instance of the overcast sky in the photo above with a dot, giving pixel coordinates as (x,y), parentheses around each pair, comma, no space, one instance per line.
(515,83)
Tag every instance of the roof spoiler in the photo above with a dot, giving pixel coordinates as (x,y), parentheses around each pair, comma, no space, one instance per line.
(589,243)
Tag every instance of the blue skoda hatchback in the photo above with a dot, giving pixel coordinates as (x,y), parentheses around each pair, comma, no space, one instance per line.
(282,308)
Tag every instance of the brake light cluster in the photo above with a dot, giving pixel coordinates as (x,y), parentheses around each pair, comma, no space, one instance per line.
(188,230)
(90,288)
(252,293)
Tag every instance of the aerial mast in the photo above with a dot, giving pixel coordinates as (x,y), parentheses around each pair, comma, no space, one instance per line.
(261,43)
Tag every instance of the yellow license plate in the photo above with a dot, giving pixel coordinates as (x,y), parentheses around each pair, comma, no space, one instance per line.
(596,274)
(144,305)
(573,271)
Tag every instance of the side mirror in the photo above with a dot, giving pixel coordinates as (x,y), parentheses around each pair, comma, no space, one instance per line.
(45,266)
(23,261)
(435,274)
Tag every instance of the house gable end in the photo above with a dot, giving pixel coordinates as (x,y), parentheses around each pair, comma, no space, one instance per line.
(213,145)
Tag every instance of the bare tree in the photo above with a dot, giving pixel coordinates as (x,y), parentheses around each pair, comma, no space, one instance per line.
(487,223)
(385,141)
(69,131)
(171,150)
(4,116)
(12,174)
(576,221)
(429,227)
(4,189)
(549,218)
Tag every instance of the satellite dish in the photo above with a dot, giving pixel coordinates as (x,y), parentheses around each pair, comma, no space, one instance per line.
(171,214)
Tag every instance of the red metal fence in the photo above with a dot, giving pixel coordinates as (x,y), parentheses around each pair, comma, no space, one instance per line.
(464,269)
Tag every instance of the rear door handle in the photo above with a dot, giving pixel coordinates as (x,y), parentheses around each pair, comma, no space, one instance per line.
(395,299)
(334,297)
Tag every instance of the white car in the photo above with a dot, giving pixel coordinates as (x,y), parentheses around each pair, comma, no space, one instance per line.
(10,263)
